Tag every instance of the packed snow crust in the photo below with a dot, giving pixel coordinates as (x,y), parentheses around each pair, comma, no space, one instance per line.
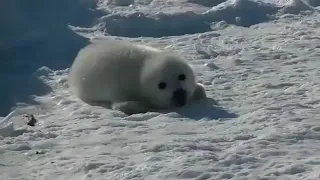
(258,60)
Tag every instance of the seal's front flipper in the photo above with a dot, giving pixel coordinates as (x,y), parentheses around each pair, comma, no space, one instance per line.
(129,107)
(199,93)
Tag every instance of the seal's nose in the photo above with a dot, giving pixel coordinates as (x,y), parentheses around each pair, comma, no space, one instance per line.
(179,97)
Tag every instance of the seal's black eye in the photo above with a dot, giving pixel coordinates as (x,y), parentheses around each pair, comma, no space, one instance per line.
(182,77)
(162,85)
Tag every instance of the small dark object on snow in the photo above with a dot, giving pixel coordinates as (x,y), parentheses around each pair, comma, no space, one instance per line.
(31,120)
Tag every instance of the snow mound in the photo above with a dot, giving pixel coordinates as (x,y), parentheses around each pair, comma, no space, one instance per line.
(243,13)
(159,25)
(296,6)
(138,24)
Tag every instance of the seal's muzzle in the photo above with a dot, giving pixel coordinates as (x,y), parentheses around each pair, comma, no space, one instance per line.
(179,97)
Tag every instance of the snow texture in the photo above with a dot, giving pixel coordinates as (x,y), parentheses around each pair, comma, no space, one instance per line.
(258,60)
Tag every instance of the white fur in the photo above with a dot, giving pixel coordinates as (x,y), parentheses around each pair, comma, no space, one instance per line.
(126,76)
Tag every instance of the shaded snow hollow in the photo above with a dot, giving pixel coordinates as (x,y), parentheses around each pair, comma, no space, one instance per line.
(258,61)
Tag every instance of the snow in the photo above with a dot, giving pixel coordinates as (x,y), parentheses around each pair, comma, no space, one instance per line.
(258,61)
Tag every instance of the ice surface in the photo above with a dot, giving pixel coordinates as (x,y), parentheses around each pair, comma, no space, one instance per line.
(258,60)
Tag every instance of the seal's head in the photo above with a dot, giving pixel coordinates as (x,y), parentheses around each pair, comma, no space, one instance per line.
(167,81)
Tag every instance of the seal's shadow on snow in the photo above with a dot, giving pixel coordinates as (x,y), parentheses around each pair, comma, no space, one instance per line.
(206,109)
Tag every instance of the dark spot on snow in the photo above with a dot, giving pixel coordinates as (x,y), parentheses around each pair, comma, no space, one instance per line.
(31,119)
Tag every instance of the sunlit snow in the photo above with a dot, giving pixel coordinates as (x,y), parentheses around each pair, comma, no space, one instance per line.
(258,60)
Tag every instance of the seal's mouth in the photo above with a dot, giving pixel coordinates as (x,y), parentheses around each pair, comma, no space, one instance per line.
(179,97)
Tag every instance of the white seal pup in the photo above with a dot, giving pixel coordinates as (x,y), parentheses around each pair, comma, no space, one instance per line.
(132,78)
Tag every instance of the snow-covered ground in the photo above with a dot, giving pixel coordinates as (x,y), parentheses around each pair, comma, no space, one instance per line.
(259,62)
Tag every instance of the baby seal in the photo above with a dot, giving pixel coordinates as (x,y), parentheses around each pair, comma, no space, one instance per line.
(133,78)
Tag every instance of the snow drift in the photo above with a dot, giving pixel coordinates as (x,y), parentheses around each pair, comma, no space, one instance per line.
(143,23)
